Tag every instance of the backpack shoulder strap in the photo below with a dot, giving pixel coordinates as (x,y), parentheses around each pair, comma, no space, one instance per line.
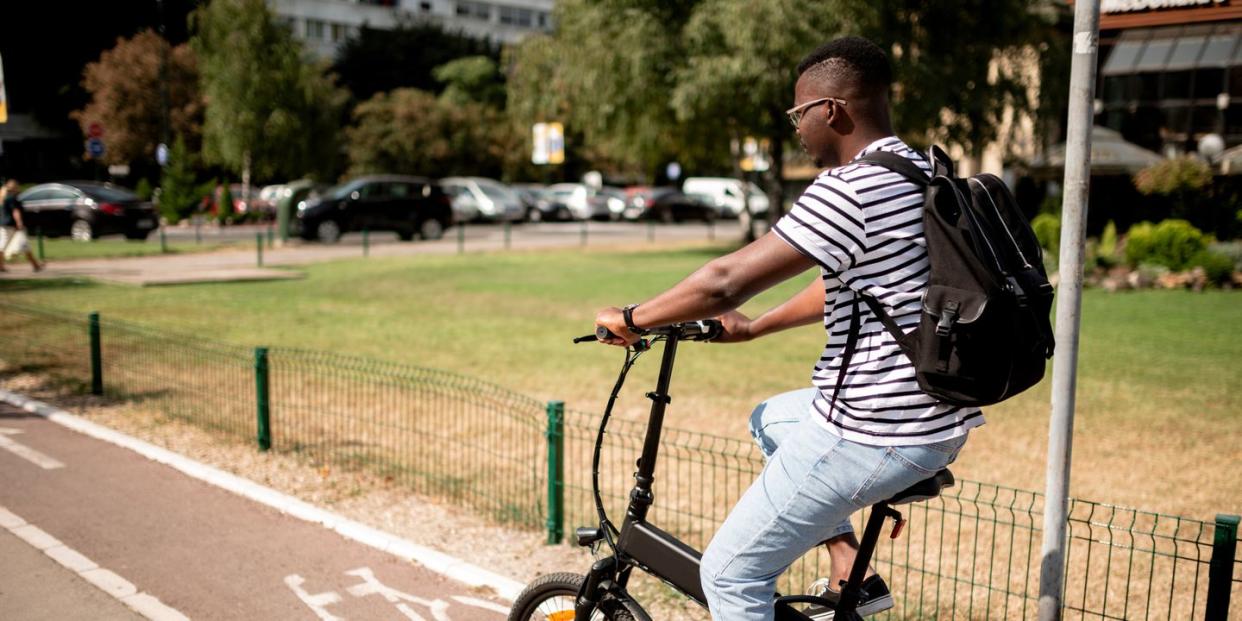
(897,164)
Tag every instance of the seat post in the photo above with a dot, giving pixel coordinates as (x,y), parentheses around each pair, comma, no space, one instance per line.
(851,593)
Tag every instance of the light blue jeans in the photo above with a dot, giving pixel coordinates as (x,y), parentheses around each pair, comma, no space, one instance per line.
(804,496)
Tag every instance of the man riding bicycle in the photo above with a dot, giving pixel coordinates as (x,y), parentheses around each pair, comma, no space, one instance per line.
(859,434)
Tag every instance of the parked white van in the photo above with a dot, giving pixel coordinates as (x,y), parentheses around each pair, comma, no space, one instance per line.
(726,194)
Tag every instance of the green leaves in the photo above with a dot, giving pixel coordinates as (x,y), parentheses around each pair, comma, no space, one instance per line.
(262,97)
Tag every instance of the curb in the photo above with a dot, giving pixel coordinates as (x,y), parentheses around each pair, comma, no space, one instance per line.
(428,558)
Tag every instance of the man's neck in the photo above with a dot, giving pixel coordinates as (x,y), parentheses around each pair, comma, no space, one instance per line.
(859,140)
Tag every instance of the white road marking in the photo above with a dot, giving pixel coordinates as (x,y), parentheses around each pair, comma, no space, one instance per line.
(371,586)
(143,603)
(25,452)
(316,602)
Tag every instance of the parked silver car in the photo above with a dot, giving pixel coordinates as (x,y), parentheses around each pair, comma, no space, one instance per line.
(480,198)
(588,203)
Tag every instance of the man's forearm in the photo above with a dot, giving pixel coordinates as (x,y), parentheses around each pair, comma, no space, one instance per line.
(804,308)
(724,283)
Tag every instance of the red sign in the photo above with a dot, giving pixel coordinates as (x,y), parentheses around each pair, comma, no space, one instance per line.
(95,130)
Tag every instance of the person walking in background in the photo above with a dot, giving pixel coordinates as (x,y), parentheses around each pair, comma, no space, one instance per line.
(13,228)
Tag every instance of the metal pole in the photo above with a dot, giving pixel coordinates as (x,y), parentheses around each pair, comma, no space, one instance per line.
(1220,572)
(366,242)
(651,230)
(508,226)
(583,240)
(263,406)
(258,249)
(96,356)
(1069,306)
(556,471)
(39,236)
(461,238)
(163,241)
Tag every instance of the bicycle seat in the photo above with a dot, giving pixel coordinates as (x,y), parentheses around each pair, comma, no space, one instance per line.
(923,490)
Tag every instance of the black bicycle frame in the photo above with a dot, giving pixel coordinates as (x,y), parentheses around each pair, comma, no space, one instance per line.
(642,544)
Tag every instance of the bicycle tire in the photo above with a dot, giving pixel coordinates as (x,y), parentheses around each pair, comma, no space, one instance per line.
(550,597)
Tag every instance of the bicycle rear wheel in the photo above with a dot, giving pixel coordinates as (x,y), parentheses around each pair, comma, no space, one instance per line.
(551,598)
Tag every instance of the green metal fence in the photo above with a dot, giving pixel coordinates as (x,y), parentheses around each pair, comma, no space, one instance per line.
(971,554)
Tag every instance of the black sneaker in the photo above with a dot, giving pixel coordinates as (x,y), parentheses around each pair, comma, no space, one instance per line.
(876,598)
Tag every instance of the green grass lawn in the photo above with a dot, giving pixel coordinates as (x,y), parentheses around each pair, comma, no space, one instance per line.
(65,249)
(1159,416)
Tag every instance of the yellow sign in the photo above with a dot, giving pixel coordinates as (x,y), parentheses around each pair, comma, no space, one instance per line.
(549,144)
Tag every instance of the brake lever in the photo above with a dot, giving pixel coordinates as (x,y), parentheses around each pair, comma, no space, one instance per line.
(602,333)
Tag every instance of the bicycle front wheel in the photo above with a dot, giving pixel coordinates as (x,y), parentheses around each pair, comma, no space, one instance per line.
(551,598)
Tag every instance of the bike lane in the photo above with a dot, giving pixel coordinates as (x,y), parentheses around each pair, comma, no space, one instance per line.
(137,528)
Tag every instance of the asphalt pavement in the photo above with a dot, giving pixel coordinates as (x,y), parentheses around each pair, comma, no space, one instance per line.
(89,530)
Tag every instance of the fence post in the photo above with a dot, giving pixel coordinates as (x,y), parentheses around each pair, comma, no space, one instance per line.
(163,241)
(1220,572)
(258,249)
(366,242)
(583,240)
(271,235)
(556,471)
(261,399)
(96,356)
(461,238)
(508,225)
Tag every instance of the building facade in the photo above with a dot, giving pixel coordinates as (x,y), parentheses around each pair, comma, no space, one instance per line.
(325,24)
(1171,72)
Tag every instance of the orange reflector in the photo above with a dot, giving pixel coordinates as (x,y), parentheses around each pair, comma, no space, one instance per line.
(897,529)
(562,615)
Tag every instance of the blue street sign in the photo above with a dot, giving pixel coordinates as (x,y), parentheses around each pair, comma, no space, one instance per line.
(95,147)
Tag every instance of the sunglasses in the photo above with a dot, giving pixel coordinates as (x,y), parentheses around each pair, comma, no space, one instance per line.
(795,113)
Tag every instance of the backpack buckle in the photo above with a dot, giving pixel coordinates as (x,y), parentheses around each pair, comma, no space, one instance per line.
(947,317)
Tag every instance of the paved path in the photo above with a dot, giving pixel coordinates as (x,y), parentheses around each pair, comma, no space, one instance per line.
(241,264)
(89,530)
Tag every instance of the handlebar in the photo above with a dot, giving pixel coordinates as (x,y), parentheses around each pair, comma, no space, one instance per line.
(703,330)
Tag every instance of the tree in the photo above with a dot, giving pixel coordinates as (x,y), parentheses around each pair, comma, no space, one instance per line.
(267,109)
(179,194)
(125,98)
(377,61)
(472,79)
(412,132)
(606,73)
(647,80)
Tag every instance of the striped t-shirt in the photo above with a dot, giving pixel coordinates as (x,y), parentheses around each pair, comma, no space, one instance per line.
(863,225)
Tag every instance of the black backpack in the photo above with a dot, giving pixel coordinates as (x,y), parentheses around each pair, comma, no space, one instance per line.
(984,334)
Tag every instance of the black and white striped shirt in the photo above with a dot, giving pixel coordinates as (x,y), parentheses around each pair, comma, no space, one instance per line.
(863,225)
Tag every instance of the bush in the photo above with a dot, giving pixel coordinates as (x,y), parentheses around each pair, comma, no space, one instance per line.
(1047,229)
(224,208)
(1172,243)
(1104,253)
(1173,176)
(1218,267)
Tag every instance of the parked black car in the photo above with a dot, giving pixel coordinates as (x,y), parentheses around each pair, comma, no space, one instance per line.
(667,205)
(408,205)
(85,210)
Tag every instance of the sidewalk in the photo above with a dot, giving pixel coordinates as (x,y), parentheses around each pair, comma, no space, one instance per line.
(242,265)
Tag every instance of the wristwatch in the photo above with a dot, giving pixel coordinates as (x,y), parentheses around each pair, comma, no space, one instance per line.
(628,313)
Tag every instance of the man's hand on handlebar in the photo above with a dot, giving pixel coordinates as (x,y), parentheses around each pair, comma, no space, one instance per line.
(736,328)
(612,319)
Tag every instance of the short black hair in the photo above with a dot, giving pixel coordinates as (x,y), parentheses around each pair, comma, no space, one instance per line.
(854,58)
